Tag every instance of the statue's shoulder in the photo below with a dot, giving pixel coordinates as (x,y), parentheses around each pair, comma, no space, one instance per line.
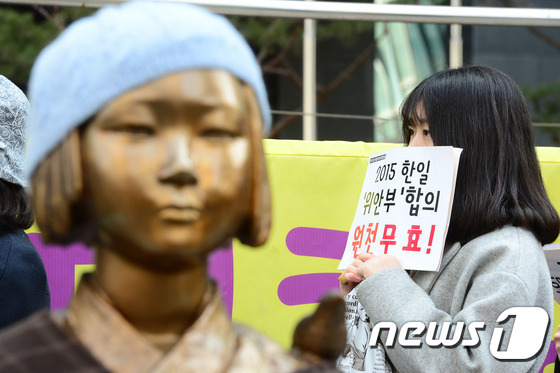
(256,350)
(38,343)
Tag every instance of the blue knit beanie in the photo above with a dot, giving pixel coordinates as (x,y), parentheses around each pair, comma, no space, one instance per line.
(119,48)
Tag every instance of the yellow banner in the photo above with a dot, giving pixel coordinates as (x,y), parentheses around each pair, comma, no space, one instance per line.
(315,190)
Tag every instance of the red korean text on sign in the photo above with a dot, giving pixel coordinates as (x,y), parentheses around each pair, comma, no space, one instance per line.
(388,236)
(413,237)
(371,234)
(431,240)
(358,237)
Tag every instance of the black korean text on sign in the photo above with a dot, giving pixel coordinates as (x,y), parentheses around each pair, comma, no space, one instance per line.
(385,172)
(409,168)
(556,283)
(413,197)
(390,199)
(368,196)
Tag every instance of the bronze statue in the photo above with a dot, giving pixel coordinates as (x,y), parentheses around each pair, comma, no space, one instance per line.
(155,160)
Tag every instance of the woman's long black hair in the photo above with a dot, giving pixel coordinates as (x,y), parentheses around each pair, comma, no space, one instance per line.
(499,182)
(15,207)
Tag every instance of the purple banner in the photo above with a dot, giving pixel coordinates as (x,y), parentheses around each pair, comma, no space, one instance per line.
(60,262)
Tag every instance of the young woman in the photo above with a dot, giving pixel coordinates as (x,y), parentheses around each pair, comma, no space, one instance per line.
(501,217)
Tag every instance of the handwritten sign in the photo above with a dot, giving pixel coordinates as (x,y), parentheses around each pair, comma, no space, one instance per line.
(552,254)
(404,206)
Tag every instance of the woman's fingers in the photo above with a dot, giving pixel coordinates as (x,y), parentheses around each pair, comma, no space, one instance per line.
(349,279)
(350,274)
(365,256)
(362,267)
(377,264)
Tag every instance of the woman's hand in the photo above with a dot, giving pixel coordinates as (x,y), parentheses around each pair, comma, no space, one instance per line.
(350,278)
(376,263)
(556,338)
(364,266)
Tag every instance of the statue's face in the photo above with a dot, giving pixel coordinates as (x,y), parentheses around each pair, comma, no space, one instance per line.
(166,168)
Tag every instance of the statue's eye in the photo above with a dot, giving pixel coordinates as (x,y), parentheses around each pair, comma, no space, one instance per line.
(135,129)
(218,133)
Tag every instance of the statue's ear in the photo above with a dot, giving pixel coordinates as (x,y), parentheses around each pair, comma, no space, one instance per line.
(56,187)
(256,229)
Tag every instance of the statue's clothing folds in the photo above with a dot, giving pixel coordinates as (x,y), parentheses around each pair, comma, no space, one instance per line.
(107,342)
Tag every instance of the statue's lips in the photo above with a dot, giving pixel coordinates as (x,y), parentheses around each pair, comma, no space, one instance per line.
(176,214)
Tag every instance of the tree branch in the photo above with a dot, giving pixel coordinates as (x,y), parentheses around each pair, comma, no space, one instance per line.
(42,11)
(533,30)
(325,92)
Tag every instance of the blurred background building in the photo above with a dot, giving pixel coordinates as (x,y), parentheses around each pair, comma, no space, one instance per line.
(363,69)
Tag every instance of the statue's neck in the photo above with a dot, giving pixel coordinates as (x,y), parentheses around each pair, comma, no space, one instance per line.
(159,304)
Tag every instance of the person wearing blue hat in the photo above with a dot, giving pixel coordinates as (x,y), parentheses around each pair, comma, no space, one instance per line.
(145,143)
(23,281)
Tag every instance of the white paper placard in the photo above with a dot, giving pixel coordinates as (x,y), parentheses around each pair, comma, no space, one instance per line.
(404,206)
(552,254)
